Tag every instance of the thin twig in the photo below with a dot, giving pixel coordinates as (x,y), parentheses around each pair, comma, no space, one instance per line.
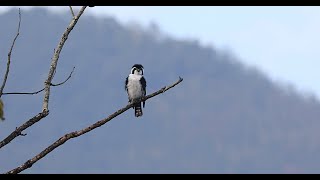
(9,57)
(75,134)
(25,93)
(55,59)
(64,80)
(72,12)
(32,93)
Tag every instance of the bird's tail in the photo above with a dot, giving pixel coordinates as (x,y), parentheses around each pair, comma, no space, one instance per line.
(138,110)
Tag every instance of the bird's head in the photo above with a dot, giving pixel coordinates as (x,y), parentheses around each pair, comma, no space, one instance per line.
(137,69)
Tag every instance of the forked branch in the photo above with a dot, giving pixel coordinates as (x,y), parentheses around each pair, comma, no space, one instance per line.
(47,84)
(54,62)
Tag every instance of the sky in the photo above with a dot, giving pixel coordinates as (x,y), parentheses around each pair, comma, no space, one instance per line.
(282,42)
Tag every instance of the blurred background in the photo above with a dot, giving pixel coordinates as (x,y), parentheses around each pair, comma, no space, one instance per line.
(249,102)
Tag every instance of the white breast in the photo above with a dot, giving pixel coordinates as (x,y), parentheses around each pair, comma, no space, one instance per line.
(134,86)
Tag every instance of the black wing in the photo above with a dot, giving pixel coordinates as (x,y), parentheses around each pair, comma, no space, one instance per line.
(144,85)
(125,86)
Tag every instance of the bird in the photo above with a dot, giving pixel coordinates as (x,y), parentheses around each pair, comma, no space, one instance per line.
(135,86)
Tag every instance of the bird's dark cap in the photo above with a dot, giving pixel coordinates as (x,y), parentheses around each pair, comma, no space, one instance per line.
(139,66)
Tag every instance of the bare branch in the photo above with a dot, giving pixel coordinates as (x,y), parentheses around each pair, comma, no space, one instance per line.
(19,130)
(32,93)
(9,57)
(73,16)
(55,59)
(75,134)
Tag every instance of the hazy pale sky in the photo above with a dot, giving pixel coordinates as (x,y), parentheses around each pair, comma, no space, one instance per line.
(281,41)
